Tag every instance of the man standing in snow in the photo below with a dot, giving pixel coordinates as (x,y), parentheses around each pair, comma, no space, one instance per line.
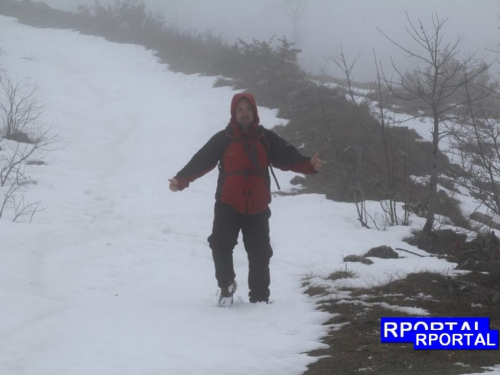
(243,152)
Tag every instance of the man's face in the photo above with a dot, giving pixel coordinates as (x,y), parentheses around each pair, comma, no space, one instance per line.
(244,115)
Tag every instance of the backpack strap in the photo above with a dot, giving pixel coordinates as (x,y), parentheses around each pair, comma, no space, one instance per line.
(264,142)
(274,176)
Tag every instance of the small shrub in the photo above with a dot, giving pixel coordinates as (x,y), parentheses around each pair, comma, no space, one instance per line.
(342,274)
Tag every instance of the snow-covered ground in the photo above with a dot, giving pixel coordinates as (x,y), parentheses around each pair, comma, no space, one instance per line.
(114,275)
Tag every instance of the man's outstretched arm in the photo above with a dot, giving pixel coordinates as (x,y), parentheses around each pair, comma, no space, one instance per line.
(201,163)
(287,158)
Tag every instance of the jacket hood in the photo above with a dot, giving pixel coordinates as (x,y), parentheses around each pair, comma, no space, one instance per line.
(251,99)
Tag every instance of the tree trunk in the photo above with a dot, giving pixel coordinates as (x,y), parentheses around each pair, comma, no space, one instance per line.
(433,181)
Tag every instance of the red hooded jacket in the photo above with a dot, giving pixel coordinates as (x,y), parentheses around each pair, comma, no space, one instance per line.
(243,160)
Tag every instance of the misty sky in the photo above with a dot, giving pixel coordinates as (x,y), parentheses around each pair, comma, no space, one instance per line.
(328,25)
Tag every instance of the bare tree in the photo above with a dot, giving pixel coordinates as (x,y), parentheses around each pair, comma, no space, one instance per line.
(295,10)
(433,87)
(387,122)
(352,144)
(357,177)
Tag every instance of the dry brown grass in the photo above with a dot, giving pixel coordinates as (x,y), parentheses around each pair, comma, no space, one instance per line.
(355,348)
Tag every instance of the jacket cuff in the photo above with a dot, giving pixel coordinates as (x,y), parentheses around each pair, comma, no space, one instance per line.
(305,167)
(182,182)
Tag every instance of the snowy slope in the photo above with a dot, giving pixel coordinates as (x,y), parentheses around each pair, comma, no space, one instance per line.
(114,276)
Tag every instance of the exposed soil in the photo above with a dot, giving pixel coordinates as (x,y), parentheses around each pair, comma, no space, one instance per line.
(355,348)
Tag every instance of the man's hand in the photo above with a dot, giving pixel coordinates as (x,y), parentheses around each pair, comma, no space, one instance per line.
(316,162)
(174,184)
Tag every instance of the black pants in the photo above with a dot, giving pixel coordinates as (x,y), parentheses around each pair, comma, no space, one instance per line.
(255,230)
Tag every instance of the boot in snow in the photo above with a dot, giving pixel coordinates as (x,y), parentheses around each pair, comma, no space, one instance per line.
(226,294)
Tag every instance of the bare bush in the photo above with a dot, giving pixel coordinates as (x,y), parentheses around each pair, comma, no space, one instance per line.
(23,141)
(360,137)
(476,142)
(18,105)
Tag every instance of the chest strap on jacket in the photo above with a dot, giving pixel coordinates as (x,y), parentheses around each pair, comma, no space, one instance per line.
(251,152)
(244,172)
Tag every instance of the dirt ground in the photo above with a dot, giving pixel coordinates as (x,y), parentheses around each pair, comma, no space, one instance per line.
(355,348)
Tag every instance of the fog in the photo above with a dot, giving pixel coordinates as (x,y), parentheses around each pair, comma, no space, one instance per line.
(326,26)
